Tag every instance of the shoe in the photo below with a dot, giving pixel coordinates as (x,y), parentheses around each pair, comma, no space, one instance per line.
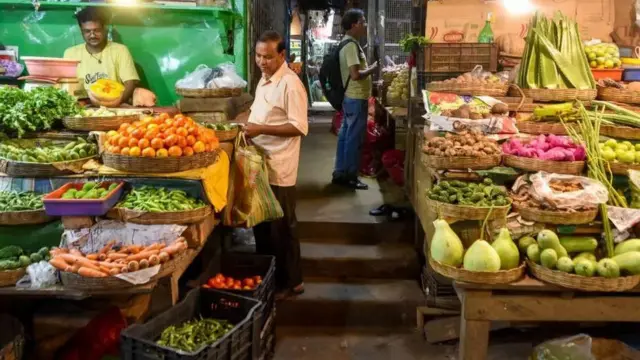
(289,293)
(340,181)
(383,210)
(358,185)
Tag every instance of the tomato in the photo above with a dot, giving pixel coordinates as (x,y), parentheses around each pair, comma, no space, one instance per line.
(170,140)
(206,286)
(187,151)
(219,277)
(135,151)
(130,130)
(182,141)
(133,142)
(199,147)
(247,288)
(182,131)
(136,123)
(157,143)
(230,282)
(212,282)
(148,152)
(191,140)
(115,149)
(143,144)
(162,153)
(123,127)
(163,116)
(175,151)
(237,283)
(123,142)
(151,134)
(249,282)
(111,134)
(125,151)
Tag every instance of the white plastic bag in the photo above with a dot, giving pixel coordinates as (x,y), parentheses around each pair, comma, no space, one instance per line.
(197,79)
(575,348)
(592,194)
(225,76)
(40,275)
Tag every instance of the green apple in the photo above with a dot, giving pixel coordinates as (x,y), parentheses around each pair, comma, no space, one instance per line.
(627,157)
(611,143)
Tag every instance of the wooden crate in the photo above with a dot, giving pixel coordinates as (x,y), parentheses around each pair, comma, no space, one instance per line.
(462,57)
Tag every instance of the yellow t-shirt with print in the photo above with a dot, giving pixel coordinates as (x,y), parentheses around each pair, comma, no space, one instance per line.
(114,63)
(352,54)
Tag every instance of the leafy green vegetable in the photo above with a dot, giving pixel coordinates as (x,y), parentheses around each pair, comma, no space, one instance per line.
(23,111)
(411,42)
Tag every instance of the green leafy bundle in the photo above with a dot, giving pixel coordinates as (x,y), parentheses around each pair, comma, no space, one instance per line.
(23,111)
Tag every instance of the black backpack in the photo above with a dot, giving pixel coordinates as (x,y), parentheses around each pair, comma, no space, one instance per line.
(331,76)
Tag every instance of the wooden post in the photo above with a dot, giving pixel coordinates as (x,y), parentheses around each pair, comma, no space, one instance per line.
(474,334)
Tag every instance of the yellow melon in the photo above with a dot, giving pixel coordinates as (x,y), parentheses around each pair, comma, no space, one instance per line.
(106,90)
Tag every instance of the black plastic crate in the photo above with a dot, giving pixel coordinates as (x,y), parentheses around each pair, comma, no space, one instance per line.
(239,266)
(241,343)
(268,336)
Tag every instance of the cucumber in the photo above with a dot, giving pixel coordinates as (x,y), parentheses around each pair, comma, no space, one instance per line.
(627,246)
(9,252)
(574,244)
(9,265)
(35,258)
(24,261)
(43,251)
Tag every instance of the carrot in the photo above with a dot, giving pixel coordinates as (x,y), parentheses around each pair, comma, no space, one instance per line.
(155,246)
(117,256)
(181,239)
(154,260)
(89,272)
(109,265)
(107,247)
(60,264)
(75,252)
(56,251)
(133,266)
(142,255)
(75,268)
(114,271)
(144,263)
(173,248)
(164,257)
(124,270)
(134,249)
(82,261)
(92,256)
(102,257)
(105,269)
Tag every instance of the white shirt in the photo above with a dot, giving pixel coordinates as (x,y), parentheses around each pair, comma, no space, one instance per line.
(281,100)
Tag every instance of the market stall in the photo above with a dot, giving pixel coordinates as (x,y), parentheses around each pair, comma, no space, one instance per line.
(526,185)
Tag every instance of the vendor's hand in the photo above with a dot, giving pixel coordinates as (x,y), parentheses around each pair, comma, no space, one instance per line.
(252,130)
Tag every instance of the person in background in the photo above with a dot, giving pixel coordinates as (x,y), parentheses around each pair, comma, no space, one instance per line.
(356,76)
(277,122)
(103,59)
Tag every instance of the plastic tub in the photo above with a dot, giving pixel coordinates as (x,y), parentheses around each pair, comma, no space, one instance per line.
(51,67)
(241,343)
(613,74)
(54,205)
(631,75)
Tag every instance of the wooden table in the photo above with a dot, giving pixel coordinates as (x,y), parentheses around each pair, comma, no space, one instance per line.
(530,300)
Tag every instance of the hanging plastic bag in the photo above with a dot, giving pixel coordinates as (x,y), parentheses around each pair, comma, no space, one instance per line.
(226,77)
(250,200)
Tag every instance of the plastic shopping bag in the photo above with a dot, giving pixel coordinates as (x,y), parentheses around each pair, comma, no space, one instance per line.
(250,200)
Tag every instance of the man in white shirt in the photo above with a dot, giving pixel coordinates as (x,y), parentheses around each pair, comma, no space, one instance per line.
(277,122)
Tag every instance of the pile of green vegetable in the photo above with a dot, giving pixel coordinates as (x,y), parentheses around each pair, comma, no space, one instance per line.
(150,199)
(90,190)
(554,56)
(615,114)
(20,201)
(192,335)
(221,126)
(14,257)
(470,194)
(578,255)
(36,110)
(46,151)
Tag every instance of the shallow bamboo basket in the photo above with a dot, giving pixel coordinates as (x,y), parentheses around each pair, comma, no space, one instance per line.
(556,217)
(619,95)
(462,162)
(459,274)
(541,128)
(30,169)
(535,165)
(102,123)
(11,277)
(555,95)
(464,212)
(167,165)
(577,282)
(620,132)
(27,217)
(154,218)
(622,169)
(499,89)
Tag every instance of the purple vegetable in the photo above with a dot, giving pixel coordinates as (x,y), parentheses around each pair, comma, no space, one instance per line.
(12,68)
(579,153)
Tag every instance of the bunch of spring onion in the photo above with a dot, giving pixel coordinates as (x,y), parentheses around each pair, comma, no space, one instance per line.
(588,133)
(619,115)
(554,56)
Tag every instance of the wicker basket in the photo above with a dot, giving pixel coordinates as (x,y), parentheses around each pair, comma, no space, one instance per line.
(28,217)
(459,274)
(11,277)
(395,102)
(584,283)
(76,281)
(154,218)
(535,165)
(462,162)
(209,93)
(159,165)
(555,95)
(622,169)
(104,123)
(227,135)
(29,169)
(620,132)
(541,128)
(467,212)
(619,95)
(499,89)
(12,340)
(556,217)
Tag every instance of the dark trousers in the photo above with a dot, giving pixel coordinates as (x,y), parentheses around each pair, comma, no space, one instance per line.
(280,239)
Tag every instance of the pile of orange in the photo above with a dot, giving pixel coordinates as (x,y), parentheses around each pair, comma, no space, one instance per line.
(161,136)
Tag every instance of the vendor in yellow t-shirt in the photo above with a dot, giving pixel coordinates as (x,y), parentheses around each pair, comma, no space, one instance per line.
(100,58)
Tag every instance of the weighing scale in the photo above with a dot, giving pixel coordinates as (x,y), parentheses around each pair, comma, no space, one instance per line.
(70,85)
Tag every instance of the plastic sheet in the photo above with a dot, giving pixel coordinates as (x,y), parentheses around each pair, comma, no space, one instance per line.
(575,348)
(221,76)
(592,194)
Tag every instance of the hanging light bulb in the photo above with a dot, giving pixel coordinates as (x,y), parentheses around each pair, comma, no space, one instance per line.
(518,7)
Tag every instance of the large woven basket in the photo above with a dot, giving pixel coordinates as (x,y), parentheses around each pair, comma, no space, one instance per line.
(556,217)
(541,128)
(622,169)
(619,95)
(12,339)
(498,89)
(167,165)
(227,135)
(584,283)
(620,132)
(462,162)
(28,217)
(463,212)
(209,93)
(556,95)
(29,169)
(155,218)
(535,165)
(76,281)
(11,277)
(459,274)
(104,123)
